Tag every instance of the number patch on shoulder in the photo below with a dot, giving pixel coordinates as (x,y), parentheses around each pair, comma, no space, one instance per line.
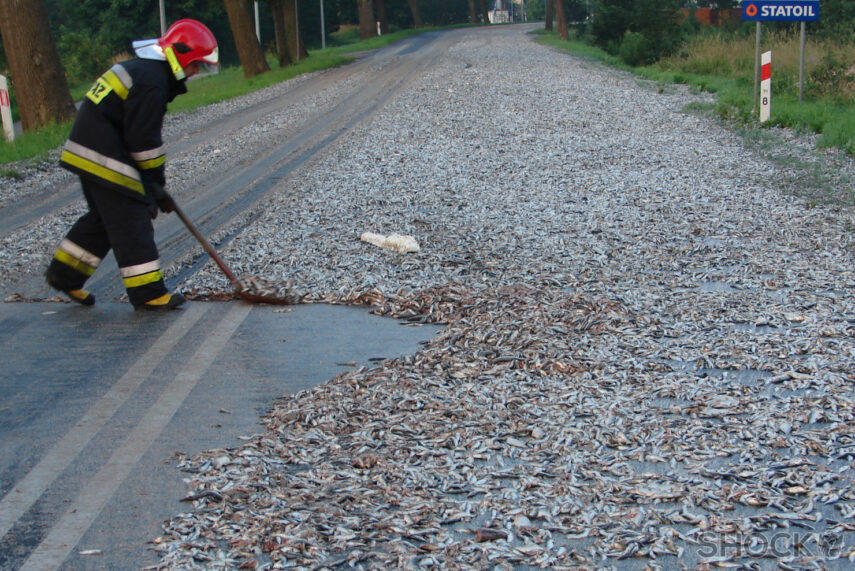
(99,90)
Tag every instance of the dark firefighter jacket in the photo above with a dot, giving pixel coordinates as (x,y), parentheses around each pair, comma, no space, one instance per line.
(116,137)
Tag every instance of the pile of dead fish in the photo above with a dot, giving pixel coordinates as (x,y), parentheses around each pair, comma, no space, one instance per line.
(648,359)
(511,440)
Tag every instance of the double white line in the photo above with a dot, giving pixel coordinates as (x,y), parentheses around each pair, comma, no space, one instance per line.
(67,531)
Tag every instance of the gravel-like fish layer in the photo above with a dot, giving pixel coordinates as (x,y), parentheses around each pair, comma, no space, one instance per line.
(649,354)
(649,349)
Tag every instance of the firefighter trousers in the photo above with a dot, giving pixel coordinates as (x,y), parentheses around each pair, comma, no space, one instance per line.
(114,221)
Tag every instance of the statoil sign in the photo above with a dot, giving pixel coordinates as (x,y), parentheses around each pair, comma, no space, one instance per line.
(780,10)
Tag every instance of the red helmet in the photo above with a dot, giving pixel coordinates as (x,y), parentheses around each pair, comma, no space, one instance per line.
(183,43)
(191,41)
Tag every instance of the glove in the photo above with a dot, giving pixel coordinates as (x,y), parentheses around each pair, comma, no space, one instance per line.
(161,198)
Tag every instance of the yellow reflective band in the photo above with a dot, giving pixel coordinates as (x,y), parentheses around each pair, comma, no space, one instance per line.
(173,63)
(116,84)
(74,263)
(143,279)
(101,171)
(151,163)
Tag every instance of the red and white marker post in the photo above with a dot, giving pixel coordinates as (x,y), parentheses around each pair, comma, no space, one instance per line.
(765,86)
(6,110)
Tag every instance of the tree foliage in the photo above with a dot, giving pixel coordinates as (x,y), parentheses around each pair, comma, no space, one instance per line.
(836,21)
(640,31)
(89,34)
(716,4)
(535,10)
(92,33)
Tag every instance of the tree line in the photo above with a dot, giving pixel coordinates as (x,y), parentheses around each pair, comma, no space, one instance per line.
(47,45)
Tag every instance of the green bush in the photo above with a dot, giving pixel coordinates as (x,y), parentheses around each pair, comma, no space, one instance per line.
(835,22)
(635,49)
(84,57)
(651,29)
(832,77)
(612,18)
(535,11)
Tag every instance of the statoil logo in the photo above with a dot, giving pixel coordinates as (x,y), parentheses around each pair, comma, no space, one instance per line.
(781,10)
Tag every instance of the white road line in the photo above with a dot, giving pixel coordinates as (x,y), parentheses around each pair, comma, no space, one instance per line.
(77,519)
(25,493)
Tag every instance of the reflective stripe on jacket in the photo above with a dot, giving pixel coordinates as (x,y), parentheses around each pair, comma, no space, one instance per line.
(116,137)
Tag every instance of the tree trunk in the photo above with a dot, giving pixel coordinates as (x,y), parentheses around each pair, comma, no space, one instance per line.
(444,13)
(380,5)
(282,55)
(473,15)
(35,69)
(292,32)
(367,24)
(484,12)
(243,29)
(562,19)
(549,14)
(417,16)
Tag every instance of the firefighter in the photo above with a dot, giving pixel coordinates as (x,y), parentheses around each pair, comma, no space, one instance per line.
(116,149)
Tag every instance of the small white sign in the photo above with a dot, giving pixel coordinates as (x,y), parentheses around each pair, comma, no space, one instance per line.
(6,110)
(765,86)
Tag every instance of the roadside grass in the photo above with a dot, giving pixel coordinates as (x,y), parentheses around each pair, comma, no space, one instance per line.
(724,65)
(226,84)
(230,82)
(33,145)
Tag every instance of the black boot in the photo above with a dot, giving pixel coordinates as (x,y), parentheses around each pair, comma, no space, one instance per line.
(81,296)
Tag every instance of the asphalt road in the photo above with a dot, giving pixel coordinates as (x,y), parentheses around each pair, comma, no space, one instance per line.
(98,405)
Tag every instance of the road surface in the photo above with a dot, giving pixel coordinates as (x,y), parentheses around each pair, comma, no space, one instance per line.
(100,404)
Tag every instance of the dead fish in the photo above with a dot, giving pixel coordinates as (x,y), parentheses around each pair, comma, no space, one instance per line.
(486,534)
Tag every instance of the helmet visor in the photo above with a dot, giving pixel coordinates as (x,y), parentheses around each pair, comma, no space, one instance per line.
(208,68)
(148,49)
(212,58)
